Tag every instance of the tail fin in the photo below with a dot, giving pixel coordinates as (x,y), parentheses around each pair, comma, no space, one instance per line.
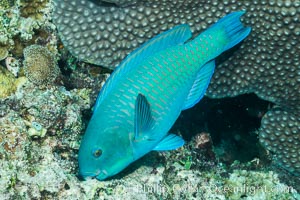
(235,31)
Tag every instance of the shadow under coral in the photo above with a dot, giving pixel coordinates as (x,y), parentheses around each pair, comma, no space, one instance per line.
(231,122)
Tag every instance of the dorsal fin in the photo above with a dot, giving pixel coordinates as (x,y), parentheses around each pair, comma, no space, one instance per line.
(200,85)
(175,36)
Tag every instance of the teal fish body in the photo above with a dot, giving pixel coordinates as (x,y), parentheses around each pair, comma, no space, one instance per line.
(144,96)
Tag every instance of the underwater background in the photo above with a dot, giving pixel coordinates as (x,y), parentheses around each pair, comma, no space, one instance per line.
(242,139)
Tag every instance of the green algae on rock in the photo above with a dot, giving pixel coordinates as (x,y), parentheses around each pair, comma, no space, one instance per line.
(3,52)
(8,83)
(6,4)
(34,8)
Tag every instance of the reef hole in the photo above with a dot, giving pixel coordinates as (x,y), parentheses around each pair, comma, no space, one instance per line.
(231,122)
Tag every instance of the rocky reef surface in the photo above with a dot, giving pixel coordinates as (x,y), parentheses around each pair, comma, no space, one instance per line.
(46,98)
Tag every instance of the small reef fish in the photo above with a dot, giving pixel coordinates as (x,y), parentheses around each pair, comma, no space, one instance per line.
(144,96)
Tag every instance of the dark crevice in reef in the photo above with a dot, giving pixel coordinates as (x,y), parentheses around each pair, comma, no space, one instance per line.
(231,122)
(104,3)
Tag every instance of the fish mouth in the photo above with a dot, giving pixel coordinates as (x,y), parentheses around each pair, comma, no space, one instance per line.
(99,175)
(87,175)
(102,175)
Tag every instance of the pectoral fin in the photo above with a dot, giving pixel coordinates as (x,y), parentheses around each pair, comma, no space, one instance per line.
(143,120)
(200,85)
(170,142)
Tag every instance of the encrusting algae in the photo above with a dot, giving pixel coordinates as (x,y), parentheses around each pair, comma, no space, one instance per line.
(3,52)
(33,9)
(8,83)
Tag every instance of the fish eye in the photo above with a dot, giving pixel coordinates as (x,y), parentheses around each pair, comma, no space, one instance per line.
(97,153)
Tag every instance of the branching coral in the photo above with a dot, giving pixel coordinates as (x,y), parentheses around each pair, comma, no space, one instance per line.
(267,63)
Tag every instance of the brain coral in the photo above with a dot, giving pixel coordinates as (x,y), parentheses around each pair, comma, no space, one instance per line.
(280,133)
(40,65)
(267,63)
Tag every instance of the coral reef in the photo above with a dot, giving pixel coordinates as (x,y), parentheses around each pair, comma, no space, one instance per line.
(40,65)
(120,2)
(3,52)
(38,139)
(24,22)
(33,9)
(280,133)
(13,65)
(50,107)
(258,185)
(105,34)
(40,128)
(45,168)
(8,83)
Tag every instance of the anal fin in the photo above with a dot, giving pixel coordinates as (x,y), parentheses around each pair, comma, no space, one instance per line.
(169,142)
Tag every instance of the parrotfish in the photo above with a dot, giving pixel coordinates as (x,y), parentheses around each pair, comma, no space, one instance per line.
(144,96)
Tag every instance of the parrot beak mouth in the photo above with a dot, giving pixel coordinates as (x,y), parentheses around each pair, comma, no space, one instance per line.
(84,176)
(102,175)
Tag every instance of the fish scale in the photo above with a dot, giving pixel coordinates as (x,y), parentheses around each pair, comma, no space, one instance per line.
(172,86)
